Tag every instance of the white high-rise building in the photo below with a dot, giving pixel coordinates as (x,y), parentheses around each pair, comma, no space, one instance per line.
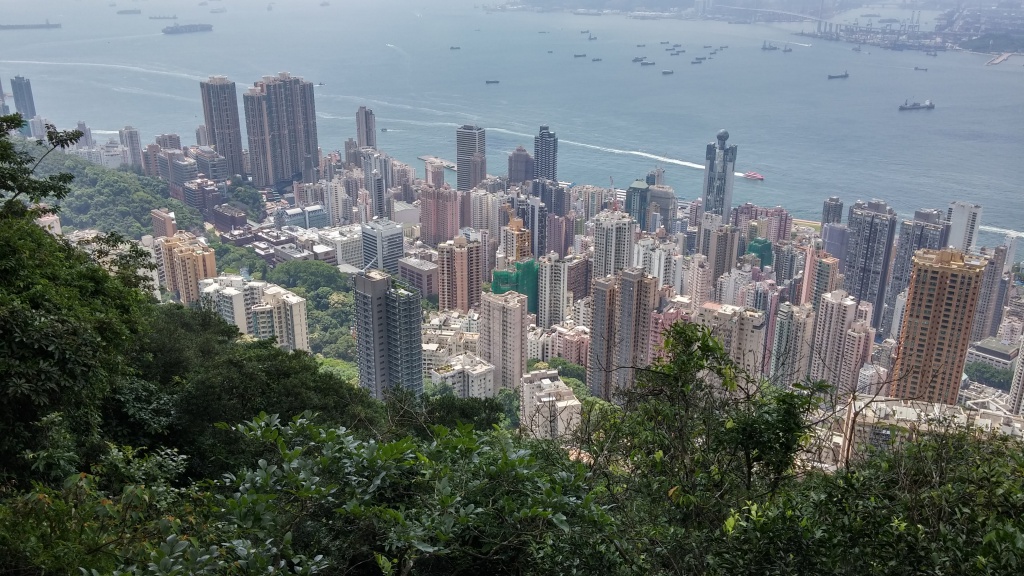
(614,237)
(383,245)
(964,219)
(503,325)
(741,330)
(554,300)
(258,309)
(548,408)
(129,137)
(791,348)
(856,354)
(835,316)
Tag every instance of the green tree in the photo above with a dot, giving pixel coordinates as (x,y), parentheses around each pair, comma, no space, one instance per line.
(989,375)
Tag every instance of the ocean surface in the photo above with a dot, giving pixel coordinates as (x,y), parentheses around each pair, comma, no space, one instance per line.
(810,137)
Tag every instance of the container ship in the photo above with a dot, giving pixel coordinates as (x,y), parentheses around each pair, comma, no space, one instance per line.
(928,105)
(45,26)
(133,11)
(187,28)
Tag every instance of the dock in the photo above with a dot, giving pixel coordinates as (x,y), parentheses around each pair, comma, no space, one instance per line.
(448,164)
(999,59)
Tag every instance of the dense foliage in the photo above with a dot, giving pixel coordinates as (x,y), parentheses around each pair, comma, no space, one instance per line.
(138,438)
(988,375)
(114,200)
(330,305)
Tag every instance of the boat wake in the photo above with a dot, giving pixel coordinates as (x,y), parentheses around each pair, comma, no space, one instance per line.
(111,66)
(1003,231)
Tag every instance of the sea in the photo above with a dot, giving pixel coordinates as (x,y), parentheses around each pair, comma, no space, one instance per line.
(810,137)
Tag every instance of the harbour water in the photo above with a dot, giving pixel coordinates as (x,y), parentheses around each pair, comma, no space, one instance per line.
(810,137)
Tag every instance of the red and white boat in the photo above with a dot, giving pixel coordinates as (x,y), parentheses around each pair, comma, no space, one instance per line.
(753,176)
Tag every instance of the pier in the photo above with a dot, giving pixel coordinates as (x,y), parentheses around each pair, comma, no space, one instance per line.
(999,59)
(448,164)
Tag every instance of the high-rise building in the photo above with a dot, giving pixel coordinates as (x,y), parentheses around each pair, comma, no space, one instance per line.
(548,408)
(832,211)
(280,117)
(258,309)
(545,154)
(742,332)
(383,245)
(503,324)
(991,296)
(964,219)
(614,237)
(223,128)
(164,223)
(535,217)
(636,202)
(169,141)
(554,297)
(662,208)
(719,172)
(469,142)
(377,168)
(24,103)
(928,229)
(835,316)
(834,239)
(856,354)
(721,245)
(469,376)
(129,137)
(439,215)
(389,342)
(941,301)
(202,135)
(1016,399)
(515,242)
(823,278)
(601,365)
(182,262)
(791,346)
(869,254)
(4,109)
(459,274)
(520,166)
(366,128)
(637,299)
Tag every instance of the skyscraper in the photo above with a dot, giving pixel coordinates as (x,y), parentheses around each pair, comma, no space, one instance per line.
(554,297)
(964,219)
(223,128)
(520,166)
(636,202)
(869,253)
(459,274)
(719,171)
(280,117)
(182,262)
(439,215)
(366,128)
(835,316)
(1016,399)
(941,300)
(791,347)
(4,110)
(834,239)
(637,299)
(545,154)
(832,211)
(24,103)
(383,245)
(614,237)
(389,344)
(991,296)
(470,141)
(823,278)
(129,137)
(928,229)
(503,323)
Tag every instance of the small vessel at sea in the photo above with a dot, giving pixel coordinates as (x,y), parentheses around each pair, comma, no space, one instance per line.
(163,17)
(132,11)
(646,63)
(713,52)
(845,74)
(218,10)
(786,49)
(492,81)
(664,42)
(667,72)
(551,51)
(722,47)
(641,45)
(709,46)
(931,53)
(579,55)
(919,69)
(321,84)
(753,176)
(907,105)
(673,53)
(592,37)
(454,48)
(584,31)
(187,28)
(702,58)
(383,129)
(595,59)
(856,48)
(639,58)
(697,61)
(677,45)
(766,45)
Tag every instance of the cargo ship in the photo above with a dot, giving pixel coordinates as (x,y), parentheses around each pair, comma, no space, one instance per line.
(667,72)
(163,17)
(492,81)
(928,105)
(187,28)
(839,76)
(639,58)
(579,55)
(646,63)
(45,26)
(133,11)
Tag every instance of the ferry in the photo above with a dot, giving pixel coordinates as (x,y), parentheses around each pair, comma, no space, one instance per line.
(839,76)
(753,176)
(667,72)
(928,105)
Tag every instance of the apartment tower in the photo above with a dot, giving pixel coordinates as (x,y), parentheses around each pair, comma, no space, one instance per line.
(459,274)
(366,128)
(470,156)
(223,128)
(719,172)
(389,344)
(280,117)
(545,154)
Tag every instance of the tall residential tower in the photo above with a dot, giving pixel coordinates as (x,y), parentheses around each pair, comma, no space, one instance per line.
(223,128)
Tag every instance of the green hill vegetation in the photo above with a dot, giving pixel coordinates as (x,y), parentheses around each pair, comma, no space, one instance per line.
(139,438)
